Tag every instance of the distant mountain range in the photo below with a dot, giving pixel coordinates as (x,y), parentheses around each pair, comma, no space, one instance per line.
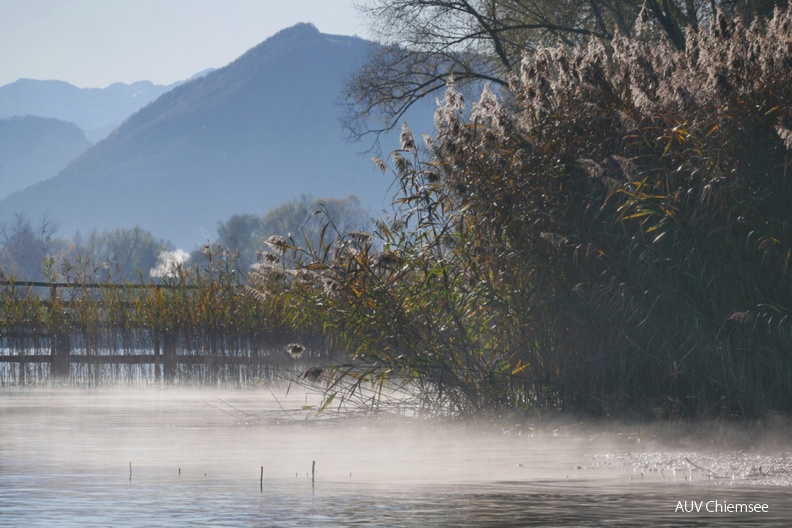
(242,139)
(44,125)
(98,111)
(35,148)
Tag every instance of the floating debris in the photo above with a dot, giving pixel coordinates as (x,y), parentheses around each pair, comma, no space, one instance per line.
(295,350)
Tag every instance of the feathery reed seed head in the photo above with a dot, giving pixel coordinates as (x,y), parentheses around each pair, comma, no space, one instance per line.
(278,243)
(360,237)
(268,258)
(406,139)
(381,165)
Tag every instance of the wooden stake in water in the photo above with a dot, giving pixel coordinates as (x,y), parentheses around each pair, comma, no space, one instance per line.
(261,480)
(130,471)
(313,472)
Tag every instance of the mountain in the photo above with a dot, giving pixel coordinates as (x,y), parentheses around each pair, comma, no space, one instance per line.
(35,148)
(242,139)
(96,110)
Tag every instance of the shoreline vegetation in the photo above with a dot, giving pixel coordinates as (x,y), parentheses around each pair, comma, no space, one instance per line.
(194,327)
(611,236)
(608,237)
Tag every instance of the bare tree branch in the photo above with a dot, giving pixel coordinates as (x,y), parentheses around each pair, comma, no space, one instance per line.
(423,43)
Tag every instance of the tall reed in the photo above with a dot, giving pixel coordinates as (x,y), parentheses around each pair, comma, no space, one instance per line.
(615,238)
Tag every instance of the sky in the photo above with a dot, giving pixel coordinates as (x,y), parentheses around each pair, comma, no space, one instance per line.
(94,43)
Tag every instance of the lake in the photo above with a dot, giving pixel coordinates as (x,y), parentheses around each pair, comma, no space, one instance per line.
(178,457)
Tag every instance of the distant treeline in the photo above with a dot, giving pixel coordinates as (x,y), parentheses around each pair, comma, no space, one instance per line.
(35,251)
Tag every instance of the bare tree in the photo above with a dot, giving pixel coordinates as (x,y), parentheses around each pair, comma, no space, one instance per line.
(24,248)
(302,219)
(121,254)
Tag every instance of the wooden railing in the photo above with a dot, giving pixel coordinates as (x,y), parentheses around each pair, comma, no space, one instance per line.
(168,352)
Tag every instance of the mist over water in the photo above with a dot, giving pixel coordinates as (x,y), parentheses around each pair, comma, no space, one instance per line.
(197,457)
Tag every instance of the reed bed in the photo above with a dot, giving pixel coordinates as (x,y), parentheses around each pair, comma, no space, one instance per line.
(613,239)
(127,333)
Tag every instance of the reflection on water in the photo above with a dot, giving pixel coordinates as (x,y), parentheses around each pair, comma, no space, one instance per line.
(197,458)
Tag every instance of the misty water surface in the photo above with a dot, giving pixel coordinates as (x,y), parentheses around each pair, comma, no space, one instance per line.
(197,456)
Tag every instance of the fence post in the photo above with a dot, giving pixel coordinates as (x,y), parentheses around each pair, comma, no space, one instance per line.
(60,342)
(60,363)
(22,370)
(157,356)
(169,355)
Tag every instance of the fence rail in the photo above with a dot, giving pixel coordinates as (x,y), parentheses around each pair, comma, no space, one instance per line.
(184,353)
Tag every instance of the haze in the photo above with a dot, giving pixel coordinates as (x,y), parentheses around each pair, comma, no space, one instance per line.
(95,43)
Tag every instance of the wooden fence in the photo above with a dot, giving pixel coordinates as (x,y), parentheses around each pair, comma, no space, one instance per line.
(174,355)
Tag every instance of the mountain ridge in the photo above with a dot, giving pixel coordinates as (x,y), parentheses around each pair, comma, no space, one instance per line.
(96,110)
(36,148)
(242,139)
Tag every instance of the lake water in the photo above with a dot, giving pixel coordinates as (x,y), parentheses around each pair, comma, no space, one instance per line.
(197,457)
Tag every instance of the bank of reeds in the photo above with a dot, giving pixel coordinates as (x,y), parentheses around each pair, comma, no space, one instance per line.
(202,311)
(616,239)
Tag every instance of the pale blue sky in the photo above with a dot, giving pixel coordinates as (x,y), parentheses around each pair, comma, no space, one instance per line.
(93,43)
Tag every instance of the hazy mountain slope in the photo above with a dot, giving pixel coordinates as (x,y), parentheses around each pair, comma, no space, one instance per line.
(34,149)
(242,139)
(96,110)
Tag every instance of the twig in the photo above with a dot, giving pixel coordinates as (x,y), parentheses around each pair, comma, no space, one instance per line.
(278,402)
(241,413)
(711,473)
